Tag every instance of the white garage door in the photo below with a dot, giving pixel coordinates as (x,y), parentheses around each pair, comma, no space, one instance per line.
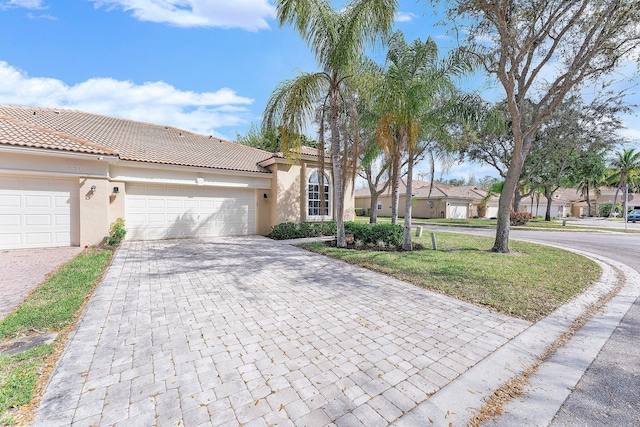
(37,212)
(492,212)
(457,210)
(163,212)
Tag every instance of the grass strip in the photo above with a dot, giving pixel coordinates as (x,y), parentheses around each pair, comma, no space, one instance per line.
(52,307)
(529,283)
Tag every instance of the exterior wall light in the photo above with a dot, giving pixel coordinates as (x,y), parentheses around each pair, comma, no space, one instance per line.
(116,190)
(93,188)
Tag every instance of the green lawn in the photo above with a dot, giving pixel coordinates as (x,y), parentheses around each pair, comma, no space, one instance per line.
(491,223)
(529,283)
(51,308)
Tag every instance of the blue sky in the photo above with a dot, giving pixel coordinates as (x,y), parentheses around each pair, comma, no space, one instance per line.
(203,65)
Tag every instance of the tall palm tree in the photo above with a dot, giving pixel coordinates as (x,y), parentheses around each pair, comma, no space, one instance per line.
(417,91)
(338,39)
(626,167)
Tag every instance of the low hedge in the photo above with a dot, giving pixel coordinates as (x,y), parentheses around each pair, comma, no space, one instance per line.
(368,234)
(293,230)
(371,234)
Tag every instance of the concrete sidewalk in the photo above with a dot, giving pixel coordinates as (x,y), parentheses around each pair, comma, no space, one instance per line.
(246,331)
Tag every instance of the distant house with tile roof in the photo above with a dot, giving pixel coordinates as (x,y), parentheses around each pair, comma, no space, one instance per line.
(66,175)
(433,201)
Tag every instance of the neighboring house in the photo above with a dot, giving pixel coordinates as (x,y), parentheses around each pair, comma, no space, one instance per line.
(562,203)
(607,193)
(66,175)
(437,201)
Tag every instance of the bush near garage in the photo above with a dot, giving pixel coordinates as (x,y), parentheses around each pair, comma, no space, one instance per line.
(520,218)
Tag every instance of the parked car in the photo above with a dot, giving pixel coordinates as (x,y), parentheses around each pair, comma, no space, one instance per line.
(634,215)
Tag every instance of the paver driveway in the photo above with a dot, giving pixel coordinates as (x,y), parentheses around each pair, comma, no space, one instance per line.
(246,331)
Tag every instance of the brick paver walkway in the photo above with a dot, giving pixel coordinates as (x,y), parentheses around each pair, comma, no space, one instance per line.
(21,271)
(250,332)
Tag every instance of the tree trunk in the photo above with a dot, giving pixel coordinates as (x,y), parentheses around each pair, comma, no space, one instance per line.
(501,243)
(549,197)
(588,200)
(406,244)
(395,190)
(338,195)
(517,198)
(373,215)
(615,199)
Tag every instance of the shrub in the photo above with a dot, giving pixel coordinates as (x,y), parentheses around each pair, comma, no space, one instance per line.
(361,211)
(371,234)
(605,209)
(116,232)
(520,218)
(292,230)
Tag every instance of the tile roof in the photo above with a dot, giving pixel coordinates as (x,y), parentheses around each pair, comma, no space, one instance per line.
(19,133)
(304,150)
(438,191)
(131,140)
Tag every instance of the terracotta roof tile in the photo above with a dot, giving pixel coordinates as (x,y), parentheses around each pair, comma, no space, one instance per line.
(19,133)
(138,141)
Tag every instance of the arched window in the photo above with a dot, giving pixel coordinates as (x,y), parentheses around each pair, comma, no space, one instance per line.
(314,202)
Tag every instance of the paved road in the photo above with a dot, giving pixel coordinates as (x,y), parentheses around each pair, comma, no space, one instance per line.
(608,394)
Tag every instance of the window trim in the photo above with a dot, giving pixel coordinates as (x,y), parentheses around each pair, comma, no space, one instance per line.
(329,200)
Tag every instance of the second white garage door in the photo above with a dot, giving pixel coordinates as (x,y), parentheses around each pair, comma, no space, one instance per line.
(458,210)
(164,212)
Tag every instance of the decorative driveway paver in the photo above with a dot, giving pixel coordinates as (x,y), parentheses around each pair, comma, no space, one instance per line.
(24,269)
(246,331)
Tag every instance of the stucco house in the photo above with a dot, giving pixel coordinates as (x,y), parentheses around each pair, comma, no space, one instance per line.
(66,175)
(437,201)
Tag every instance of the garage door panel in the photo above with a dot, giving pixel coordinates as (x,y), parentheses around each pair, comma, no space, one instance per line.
(39,239)
(32,201)
(10,201)
(156,203)
(189,212)
(37,212)
(9,220)
(37,220)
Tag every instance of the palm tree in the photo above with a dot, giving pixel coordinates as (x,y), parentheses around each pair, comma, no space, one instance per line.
(338,39)
(417,91)
(626,167)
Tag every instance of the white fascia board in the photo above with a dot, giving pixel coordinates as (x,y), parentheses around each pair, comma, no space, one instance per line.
(135,172)
(164,166)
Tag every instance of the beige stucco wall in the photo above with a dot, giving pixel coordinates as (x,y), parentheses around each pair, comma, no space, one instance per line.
(290,179)
(264,209)
(94,210)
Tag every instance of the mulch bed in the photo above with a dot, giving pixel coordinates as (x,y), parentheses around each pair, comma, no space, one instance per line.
(333,244)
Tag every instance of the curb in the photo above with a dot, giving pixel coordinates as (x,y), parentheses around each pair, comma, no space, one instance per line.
(456,403)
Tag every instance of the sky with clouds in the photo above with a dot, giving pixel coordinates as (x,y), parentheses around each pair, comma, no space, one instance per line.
(208,66)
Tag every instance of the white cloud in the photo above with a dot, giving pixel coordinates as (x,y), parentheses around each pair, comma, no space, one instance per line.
(43,16)
(404,16)
(249,15)
(154,102)
(29,4)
